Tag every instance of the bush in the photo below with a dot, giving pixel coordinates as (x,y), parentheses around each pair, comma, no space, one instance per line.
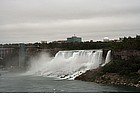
(123,67)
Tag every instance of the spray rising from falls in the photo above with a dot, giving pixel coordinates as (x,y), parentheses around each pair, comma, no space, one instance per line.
(67,64)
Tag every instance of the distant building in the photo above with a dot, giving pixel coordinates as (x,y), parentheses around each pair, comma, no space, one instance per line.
(44,42)
(74,39)
(106,39)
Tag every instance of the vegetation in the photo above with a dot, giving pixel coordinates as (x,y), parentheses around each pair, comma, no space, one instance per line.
(123,67)
(125,43)
(117,72)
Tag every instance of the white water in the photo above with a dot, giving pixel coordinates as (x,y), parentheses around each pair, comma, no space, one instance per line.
(108,57)
(67,64)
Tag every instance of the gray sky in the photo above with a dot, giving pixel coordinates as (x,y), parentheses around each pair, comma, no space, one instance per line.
(36,20)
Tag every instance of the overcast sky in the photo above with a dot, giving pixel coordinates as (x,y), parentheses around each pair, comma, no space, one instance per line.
(36,20)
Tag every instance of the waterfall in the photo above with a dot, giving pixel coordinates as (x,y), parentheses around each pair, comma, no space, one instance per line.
(108,57)
(66,64)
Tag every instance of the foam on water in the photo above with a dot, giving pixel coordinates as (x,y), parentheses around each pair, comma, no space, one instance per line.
(66,64)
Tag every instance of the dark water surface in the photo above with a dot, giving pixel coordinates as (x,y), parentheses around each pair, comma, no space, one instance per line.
(17,82)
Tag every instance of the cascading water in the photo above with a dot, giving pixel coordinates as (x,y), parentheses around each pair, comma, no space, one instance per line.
(67,64)
(108,57)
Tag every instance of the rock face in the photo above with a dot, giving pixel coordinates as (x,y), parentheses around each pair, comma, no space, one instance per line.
(125,54)
(108,78)
(131,72)
(90,75)
(114,78)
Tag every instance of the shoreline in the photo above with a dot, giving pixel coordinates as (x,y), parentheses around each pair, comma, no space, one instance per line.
(98,76)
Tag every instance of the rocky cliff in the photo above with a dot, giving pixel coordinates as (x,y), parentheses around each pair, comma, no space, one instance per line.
(124,69)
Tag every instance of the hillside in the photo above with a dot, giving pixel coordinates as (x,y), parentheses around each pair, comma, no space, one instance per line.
(118,72)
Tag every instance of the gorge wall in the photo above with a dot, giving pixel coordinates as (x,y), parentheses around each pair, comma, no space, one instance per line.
(124,69)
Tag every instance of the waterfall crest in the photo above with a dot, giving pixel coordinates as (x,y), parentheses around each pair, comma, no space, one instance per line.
(67,64)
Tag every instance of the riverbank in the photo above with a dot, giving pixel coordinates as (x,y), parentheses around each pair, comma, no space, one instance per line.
(117,72)
(108,78)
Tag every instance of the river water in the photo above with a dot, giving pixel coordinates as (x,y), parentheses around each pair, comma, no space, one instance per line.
(11,82)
